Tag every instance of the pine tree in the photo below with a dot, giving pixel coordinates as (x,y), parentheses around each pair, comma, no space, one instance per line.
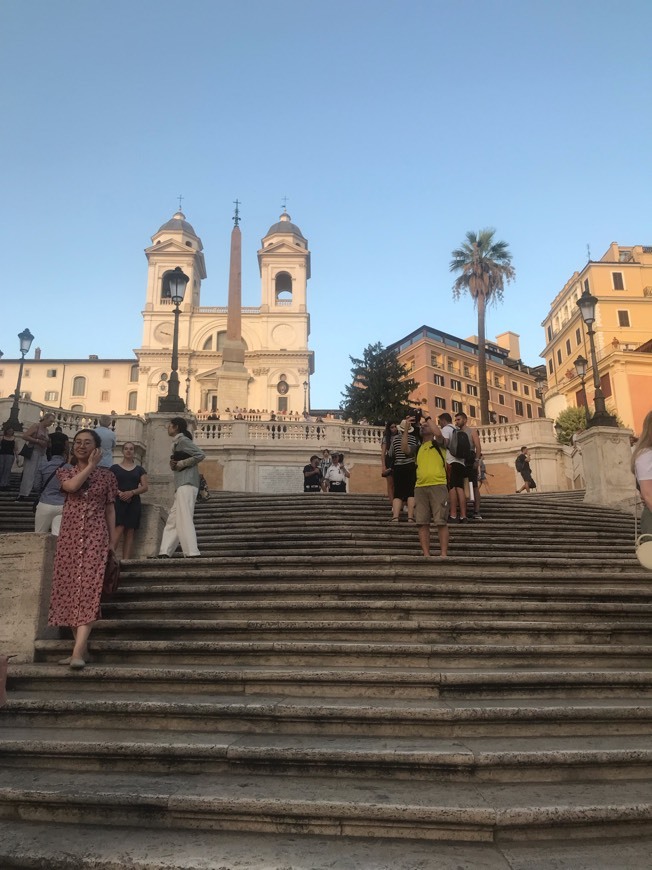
(380,387)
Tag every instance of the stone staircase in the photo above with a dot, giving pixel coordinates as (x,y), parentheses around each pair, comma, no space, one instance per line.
(312,691)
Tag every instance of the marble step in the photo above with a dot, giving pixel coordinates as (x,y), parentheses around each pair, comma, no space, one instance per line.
(363,629)
(218,652)
(323,805)
(325,682)
(385,717)
(465,759)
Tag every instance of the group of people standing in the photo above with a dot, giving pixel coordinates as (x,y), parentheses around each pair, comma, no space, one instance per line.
(328,474)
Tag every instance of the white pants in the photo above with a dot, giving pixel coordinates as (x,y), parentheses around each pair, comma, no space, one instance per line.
(30,467)
(47,518)
(180,527)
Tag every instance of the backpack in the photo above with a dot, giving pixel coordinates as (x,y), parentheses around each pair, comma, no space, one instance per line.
(520,462)
(459,446)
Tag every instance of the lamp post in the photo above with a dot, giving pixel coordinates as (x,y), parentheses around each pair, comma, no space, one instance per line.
(586,303)
(305,396)
(580,370)
(173,402)
(540,389)
(188,390)
(26,338)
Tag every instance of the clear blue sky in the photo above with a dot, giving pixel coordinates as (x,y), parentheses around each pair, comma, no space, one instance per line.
(392,128)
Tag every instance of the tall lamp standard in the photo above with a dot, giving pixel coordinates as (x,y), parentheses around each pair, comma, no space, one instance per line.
(26,338)
(586,304)
(540,390)
(580,370)
(305,396)
(173,402)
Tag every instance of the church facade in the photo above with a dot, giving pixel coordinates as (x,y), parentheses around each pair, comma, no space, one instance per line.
(274,367)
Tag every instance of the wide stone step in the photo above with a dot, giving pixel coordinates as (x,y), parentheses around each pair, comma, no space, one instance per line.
(329,805)
(343,653)
(440,611)
(304,681)
(488,759)
(434,631)
(401,717)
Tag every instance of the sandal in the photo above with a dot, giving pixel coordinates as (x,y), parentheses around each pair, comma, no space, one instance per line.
(411,520)
(394,520)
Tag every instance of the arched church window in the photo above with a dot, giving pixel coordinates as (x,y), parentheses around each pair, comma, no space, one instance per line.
(76,407)
(132,401)
(133,373)
(283,287)
(208,344)
(79,386)
(221,338)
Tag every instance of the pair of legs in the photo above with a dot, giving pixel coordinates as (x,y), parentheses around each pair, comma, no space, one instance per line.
(79,656)
(526,486)
(29,473)
(397,507)
(432,501)
(180,527)
(456,495)
(47,519)
(6,463)
(127,537)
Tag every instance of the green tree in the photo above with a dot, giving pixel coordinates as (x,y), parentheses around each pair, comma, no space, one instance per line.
(485,266)
(380,387)
(568,422)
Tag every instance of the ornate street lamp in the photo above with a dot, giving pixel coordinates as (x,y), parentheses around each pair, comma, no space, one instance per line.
(26,338)
(305,396)
(601,417)
(540,390)
(176,281)
(580,370)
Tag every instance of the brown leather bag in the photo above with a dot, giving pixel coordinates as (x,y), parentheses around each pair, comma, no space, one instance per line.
(111,576)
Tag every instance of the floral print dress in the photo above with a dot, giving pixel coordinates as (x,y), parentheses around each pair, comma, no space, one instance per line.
(82,549)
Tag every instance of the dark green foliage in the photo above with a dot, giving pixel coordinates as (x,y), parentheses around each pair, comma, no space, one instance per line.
(569,422)
(380,387)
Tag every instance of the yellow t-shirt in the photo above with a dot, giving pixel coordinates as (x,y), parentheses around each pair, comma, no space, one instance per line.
(431,467)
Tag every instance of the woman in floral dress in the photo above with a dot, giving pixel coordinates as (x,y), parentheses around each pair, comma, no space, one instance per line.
(87,528)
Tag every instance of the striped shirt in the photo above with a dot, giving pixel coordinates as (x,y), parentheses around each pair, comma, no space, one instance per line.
(396,451)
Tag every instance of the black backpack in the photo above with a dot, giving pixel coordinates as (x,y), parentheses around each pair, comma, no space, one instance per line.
(459,446)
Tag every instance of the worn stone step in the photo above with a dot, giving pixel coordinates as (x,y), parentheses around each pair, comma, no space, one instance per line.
(402,717)
(424,630)
(322,653)
(43,846)
(328,805)
(335,682)
(468,759)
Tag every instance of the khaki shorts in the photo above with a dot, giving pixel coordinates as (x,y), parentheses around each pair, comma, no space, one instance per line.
(431,500)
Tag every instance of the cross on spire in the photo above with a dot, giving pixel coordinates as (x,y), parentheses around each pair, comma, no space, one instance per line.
(236,216)
(285,204)
(180,197)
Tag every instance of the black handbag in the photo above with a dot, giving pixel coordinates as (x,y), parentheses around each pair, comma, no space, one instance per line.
(111,576)
(27,451)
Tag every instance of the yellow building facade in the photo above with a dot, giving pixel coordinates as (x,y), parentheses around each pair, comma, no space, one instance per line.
(446,369)
(275,336)
(622,283)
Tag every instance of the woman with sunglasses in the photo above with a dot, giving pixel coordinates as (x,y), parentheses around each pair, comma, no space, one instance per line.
(87,529)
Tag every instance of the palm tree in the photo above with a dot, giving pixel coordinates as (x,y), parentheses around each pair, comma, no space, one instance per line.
(485,266)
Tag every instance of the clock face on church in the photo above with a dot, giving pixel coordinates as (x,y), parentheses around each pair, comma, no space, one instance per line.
(163,333)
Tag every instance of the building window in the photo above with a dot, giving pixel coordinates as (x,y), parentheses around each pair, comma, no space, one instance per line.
(208,344)
(282,404)
(26,373)
(132,401)
(79,386)
(568,347)
(77,408)
(440,403)
(502,419)
(457,407)
(519,408)
(133,373)
(467,372)
(472,411)
(104,396)
(501,399)
(51,373)
(526,390)
(528,409)
(623,318)
(107,373)
(471,389)
(558,356)
(617,278)
(25,395)
(549,332)
(578,336)
(439,380)
(51,396)
(452,366)
(551,367)
(497,382)
(2,373)
(587,289)
(409,365)
(514,387)
(283,288)
(456,385)
(435,360)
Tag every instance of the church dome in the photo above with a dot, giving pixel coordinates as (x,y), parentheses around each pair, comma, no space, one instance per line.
(285,225)
(178,222)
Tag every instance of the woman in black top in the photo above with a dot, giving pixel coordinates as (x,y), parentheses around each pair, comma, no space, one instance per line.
(312,476)
(132,483)
(405,475)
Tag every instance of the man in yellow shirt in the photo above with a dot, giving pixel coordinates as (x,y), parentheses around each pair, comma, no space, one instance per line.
(431,490)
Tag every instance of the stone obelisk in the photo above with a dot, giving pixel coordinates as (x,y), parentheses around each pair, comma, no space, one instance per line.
(232,375)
